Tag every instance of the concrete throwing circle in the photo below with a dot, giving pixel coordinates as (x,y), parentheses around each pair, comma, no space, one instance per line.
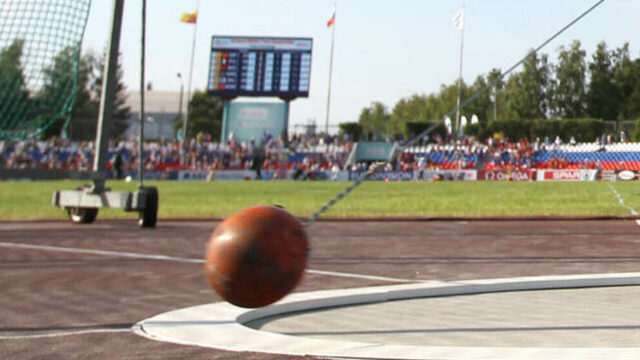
(465,333)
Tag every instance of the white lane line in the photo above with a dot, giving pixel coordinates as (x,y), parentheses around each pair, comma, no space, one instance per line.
(621,201)
(359,276)
(101,252)
(61,334)
(182,260)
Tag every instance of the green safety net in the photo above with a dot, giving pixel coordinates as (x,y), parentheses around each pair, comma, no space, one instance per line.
(40,43)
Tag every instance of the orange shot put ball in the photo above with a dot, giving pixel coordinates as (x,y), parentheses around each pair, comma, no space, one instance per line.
(257,256)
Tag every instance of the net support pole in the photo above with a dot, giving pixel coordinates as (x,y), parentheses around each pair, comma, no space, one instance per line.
(142,89)
(108,94)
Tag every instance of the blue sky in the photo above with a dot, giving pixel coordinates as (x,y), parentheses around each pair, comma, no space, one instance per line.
(385,50)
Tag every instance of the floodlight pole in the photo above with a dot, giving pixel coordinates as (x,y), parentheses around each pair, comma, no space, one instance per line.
(333,40)
(107,97)
(193,50)
(457,128)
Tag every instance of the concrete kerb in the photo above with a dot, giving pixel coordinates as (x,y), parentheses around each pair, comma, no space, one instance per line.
(220,325)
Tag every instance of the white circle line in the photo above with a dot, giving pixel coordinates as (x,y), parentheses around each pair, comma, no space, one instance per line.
(220,325)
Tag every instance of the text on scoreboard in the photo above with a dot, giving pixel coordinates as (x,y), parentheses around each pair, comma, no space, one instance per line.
(260,66)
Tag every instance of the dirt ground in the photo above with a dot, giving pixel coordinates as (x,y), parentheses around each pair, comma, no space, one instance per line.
(45,293)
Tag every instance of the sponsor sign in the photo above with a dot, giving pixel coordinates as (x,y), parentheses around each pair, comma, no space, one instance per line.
(567,175)
(406,175)
(447,175)
(502,175)
(626,175)
(149,175)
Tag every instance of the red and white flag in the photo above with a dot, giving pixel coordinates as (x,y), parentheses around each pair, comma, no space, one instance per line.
(332,20)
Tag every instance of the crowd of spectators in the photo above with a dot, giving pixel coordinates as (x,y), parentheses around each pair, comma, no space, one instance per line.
(200,153)
(304,154)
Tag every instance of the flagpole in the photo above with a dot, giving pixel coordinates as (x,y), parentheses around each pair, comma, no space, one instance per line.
(458,132)
(333,39)
(193,50)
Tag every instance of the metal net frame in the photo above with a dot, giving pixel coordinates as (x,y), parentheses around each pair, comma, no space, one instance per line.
(40,43)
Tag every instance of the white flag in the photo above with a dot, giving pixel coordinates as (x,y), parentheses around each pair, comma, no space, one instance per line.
(458,20)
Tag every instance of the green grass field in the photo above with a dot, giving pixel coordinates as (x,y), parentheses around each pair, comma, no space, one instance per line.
(32,200)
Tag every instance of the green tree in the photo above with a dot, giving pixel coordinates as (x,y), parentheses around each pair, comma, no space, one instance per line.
(121,112)
(84,118)
(13,93)
(526,93)
(569,88)
(408,110)
(205,115)
(602,98)
(482,106)
(497,93)
(352,129)
(374,120)
(61,91)
(626,80)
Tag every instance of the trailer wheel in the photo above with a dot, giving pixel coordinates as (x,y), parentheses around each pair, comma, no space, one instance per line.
(148,217)
(82,215)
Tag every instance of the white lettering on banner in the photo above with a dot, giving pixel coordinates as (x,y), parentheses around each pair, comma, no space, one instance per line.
(254,114)
(380,176)
(567,175)
(376,151)
(627,175)
(499,175)
(466,175)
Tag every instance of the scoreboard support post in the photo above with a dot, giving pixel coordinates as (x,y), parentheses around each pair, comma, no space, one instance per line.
(225,119)
(286,119)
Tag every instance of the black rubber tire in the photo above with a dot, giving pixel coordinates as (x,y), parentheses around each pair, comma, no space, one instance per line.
(82,215)
(148,217)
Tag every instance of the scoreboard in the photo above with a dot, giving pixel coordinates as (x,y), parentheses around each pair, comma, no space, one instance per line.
(260,66)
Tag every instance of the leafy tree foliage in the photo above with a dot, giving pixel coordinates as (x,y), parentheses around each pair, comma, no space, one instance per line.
(121,112)
(569,88)
(205,115)
(527,92)
(626,77)
(13,91)
(602,97)
(607,87)
(352,129)
(375,120)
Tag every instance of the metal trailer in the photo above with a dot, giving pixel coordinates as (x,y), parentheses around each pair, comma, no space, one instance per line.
(83,203)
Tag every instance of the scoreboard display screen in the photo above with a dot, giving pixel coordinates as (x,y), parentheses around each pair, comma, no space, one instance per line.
(260,66)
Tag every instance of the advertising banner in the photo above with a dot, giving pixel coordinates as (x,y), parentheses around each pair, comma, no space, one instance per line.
(149,175)
(447,175)
(503,175)
(627,175)
(567,175)
(406,175)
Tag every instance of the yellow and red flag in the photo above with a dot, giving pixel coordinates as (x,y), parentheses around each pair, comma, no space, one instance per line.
(190,18)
